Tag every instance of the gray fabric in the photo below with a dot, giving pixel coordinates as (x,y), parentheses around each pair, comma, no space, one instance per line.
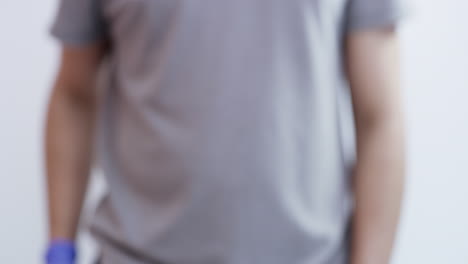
(225,131)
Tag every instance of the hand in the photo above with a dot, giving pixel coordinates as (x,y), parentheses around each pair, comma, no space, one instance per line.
(61,252)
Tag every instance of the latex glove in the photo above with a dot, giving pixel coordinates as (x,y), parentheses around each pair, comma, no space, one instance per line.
(61,252)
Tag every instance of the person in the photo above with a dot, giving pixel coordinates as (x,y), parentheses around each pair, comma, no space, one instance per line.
(223,130)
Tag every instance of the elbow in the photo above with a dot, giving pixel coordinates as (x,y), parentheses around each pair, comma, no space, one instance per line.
(75,93)
(389,119)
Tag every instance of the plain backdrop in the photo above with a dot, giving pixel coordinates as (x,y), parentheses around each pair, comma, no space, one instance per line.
(434,227)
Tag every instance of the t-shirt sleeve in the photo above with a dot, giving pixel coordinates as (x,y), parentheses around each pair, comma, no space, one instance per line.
(78,22)
(368,14)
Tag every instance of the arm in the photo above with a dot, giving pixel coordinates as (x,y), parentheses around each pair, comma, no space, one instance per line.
(372,60)
(68,137)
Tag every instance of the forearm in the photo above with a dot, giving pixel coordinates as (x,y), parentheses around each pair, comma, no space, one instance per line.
(68,141)
(378,188)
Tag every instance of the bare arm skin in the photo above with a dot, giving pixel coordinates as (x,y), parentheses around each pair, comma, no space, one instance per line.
(372,62)
(68,136)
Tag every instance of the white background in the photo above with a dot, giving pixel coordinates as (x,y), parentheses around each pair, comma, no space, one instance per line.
(434,227)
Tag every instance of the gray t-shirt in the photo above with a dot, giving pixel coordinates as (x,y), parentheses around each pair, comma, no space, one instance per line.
(224,127)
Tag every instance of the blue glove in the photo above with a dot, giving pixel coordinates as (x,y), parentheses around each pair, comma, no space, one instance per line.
(61,252)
